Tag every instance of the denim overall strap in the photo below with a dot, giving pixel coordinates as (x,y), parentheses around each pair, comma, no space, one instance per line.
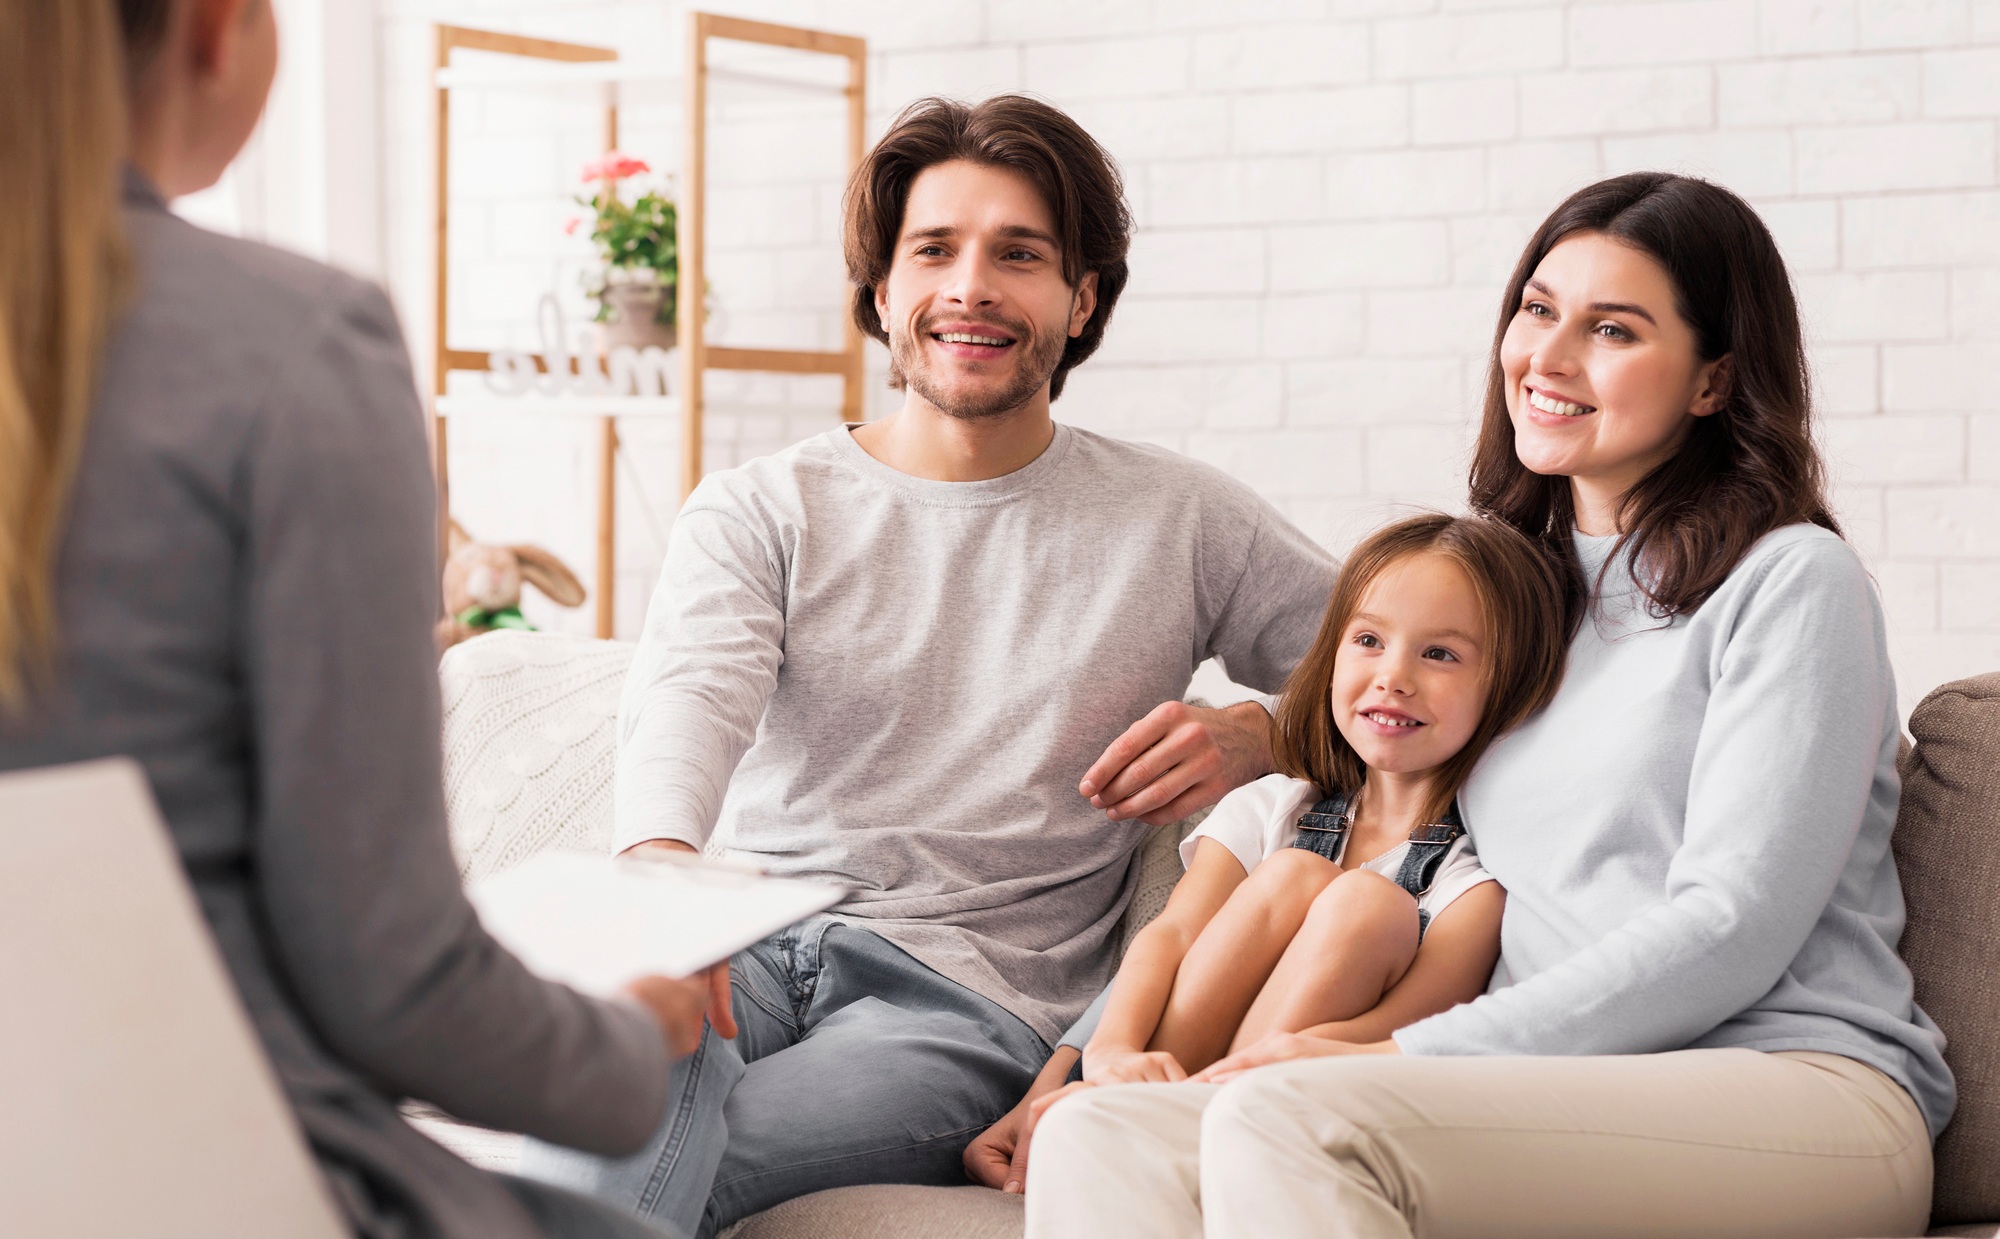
(1428,846)
(1323,828)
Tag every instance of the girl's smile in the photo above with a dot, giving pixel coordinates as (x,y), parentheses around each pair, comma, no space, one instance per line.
(1388,722)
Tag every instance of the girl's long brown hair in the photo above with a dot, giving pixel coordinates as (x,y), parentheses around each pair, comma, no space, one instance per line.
(1522,603)
(63,270)
(1743,471)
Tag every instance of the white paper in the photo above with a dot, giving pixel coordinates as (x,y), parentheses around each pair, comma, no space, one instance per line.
(595,923)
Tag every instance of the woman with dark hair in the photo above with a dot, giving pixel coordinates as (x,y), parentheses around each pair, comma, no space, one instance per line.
(1699,1023)
(218,556)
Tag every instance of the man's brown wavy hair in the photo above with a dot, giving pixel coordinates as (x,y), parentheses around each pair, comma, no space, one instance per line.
(1742,471)
(1075,176)
(1521,601)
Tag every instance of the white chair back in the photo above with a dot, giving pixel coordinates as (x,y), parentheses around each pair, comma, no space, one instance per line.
(135,1098)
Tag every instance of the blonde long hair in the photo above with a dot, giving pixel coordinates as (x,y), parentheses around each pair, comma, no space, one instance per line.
(63,275)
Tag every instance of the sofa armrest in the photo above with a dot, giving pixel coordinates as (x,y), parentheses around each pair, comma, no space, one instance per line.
(1947,845)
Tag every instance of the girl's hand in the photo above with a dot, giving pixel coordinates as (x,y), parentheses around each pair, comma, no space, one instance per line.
(1133,1067)
(1283,1047)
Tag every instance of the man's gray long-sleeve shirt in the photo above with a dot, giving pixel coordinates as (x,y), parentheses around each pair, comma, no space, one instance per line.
(246,589)
(907,679)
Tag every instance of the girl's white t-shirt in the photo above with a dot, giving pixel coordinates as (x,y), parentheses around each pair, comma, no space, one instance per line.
(1261,818)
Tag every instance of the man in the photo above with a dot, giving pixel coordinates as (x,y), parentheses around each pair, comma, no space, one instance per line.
(886,658)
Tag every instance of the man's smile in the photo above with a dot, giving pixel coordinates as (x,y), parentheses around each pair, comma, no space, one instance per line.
(973,341)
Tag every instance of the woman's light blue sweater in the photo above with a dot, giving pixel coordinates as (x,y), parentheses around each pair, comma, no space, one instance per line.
(1694,836)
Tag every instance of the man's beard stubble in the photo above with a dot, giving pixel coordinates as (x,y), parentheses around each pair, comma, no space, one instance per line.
(1041,353)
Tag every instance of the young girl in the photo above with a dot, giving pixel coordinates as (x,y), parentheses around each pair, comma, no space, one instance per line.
(1342,895)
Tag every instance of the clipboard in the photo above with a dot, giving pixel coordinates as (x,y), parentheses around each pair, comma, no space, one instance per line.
(596,922)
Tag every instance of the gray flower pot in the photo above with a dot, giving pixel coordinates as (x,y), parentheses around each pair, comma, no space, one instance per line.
(632,316)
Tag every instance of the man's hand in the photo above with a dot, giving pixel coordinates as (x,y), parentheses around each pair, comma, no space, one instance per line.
(1178,760)
(1281,1047)
(680,1005)
(989,1159)
(655,847)
(677,1005)
(721,1014)
(998,1156)
(715,981)
(1133,1067)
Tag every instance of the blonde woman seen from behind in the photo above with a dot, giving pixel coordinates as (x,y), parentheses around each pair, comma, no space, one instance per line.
(217,556)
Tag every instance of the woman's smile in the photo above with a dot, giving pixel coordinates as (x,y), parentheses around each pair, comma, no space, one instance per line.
(1542,400)
(1603,378)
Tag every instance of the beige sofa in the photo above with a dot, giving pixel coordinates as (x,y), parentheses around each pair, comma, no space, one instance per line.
(528,765)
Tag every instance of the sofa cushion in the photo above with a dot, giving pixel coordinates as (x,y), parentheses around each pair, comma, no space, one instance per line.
(1947,845)
(889,1212)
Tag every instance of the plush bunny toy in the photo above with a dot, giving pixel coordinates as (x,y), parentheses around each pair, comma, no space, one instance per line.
(482,586)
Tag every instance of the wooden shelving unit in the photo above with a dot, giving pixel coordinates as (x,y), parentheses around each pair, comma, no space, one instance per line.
(542,63)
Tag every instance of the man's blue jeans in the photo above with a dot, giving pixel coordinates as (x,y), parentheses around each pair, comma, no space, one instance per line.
(853,1063)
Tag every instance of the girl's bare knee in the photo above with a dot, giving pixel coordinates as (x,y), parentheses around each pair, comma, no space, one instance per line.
(1296,863)
(1361,893)
(1292,871)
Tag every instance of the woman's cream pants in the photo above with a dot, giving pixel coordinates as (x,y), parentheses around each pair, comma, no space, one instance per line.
(1708,1143)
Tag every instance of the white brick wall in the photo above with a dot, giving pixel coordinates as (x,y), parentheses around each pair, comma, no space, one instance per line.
(1329,193)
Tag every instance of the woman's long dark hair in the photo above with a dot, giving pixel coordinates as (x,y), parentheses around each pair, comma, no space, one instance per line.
(1741,472)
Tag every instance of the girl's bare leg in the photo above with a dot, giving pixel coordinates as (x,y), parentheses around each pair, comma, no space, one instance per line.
(1235,952)
(1357,941)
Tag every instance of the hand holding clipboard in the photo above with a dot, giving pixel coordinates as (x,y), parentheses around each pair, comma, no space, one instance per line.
(613,927)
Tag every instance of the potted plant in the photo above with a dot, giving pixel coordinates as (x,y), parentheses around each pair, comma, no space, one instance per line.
(636,240)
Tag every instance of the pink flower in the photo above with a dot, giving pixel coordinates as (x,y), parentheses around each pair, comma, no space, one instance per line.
(570,225)
(614,166)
